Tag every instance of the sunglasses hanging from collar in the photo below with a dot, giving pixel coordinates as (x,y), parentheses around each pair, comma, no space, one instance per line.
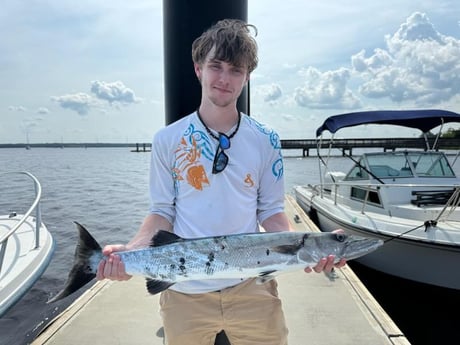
(220,158)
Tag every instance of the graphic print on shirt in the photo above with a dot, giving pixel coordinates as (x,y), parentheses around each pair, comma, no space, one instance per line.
(187,164)
(277,166)
(248,181)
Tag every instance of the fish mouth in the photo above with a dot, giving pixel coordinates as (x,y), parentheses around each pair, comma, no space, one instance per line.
(361,247)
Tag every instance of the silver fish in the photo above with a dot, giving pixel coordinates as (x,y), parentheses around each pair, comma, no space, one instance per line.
(171,259)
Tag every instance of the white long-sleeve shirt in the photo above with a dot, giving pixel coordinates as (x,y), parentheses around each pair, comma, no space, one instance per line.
(197,202)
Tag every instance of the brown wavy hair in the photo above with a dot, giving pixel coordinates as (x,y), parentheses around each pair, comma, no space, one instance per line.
(232,41)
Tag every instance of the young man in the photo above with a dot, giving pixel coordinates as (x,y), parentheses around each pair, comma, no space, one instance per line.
(215,172)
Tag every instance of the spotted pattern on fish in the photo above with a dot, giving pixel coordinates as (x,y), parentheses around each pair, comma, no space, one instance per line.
(173,259)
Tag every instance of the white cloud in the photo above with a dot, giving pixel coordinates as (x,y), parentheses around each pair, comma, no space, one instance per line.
(380,59)
(417,27)
(113,92)
(79,102)
(326,90)
(271,93)
(17,108)
(43,110)
(419,65)
(30,124)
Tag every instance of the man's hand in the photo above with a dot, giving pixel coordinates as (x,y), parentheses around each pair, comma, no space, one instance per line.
(112,267)
(326,265)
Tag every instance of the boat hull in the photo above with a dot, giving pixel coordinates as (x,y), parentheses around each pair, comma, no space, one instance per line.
(416,257)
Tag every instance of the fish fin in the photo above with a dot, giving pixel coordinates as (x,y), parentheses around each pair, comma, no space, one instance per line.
(163,237)
(155,286)
(81,272)
(266,273)
(265,277)
(291,249)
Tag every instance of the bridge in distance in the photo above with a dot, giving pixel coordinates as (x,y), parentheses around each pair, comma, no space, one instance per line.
(386,144)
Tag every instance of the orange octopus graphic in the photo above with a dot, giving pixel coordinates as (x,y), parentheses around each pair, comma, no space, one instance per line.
(188,161)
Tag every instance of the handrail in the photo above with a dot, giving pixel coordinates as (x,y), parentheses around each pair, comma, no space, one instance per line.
(389,185)
(35,206)
(453,202)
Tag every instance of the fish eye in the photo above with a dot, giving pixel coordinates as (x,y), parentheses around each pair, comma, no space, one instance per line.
(340,237)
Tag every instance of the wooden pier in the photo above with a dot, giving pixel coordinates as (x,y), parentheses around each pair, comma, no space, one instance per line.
(386,144)
(347,145)
(144,148)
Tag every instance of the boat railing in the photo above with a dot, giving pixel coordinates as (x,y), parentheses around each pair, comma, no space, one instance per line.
(34,207)
(443,195)
(451,204)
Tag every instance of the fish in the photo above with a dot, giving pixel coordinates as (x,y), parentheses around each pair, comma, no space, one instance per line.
(171,259)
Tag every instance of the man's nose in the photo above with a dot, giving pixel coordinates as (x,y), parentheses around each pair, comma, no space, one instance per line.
(224,76)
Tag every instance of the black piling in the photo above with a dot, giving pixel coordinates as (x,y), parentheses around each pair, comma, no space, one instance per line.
(183,22)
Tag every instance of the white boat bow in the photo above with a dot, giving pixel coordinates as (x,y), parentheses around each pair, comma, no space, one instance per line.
(26,248)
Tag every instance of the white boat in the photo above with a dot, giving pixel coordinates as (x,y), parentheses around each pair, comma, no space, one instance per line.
(26,245)
(408,198)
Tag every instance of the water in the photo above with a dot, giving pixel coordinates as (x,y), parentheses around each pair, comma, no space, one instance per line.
(105,189)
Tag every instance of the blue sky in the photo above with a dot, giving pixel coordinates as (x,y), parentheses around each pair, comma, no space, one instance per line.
(92,70)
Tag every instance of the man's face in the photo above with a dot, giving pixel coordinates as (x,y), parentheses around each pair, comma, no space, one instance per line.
(221,82)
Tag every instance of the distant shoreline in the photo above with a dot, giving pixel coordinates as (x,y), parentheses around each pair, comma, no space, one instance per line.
(68,145)
(302,145)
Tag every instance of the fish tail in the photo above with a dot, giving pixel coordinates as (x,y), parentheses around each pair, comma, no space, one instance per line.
(82,271)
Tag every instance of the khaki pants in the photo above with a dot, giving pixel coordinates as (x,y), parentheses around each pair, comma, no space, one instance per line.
(250,314)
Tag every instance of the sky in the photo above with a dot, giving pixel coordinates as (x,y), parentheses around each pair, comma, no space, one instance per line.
(92,70)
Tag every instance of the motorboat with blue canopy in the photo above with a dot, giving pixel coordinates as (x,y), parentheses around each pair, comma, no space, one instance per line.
(408,198)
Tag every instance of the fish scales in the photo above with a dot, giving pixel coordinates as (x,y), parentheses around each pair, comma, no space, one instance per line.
(172,259)
(227,257)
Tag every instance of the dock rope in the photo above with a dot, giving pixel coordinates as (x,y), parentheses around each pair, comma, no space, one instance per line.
(453,202)
(427,224)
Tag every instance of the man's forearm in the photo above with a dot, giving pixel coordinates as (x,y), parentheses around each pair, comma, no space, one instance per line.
(149,227)
(277,222)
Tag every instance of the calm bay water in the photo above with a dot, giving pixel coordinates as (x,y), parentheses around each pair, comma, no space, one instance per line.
(105,189)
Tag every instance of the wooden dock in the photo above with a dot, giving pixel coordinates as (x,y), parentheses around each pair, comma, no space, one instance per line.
(318,310)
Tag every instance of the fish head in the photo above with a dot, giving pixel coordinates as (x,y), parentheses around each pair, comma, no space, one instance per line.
(341,245)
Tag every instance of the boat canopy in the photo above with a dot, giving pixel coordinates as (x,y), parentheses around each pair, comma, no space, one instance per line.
(422,119)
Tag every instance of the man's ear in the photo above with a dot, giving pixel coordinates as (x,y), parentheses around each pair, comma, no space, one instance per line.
(197,68)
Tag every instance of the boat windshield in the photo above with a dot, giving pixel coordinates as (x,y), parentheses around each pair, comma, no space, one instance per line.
(401,164)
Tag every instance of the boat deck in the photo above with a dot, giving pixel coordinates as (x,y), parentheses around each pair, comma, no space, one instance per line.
(23,264)
(318,310)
